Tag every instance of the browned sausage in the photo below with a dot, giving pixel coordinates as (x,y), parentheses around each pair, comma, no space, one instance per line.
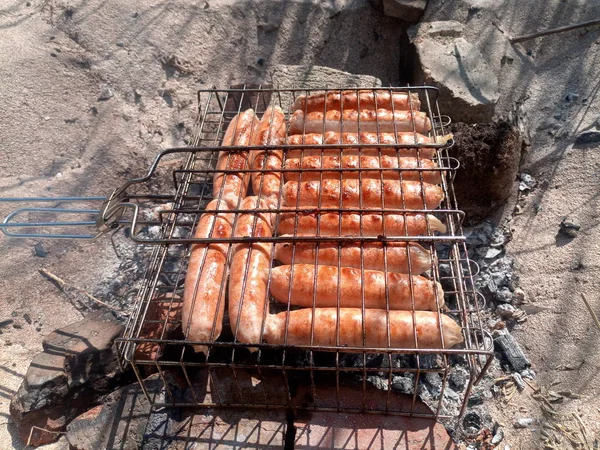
(271,131)
(429,328)
(233,186)
(205,286)
(332,138)
(363,162)
(353,121)
(366,99)
(371,254)
(366,193)
(301,286)
(328,224)
(248,296)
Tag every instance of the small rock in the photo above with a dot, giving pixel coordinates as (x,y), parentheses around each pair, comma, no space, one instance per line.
(260,61)
(498,436)
(571,97)
(557,115)
(6,323)
(527,182)
(17,325)
(525,422)
(38,250)
(519,295)
(105,94)
(54,55)
(569,228)
(518,210)
(27,318)
(505,310)
(588,137)
(120,44)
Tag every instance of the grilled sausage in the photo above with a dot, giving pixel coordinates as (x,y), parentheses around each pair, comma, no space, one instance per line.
(366,193)
(232,187)
(271,131)
(366,99)
(328,224)
(332,138)
(353,121)
(371,254)
(301,286)
(318,163)
(374,329)
(248,296)
(204,288)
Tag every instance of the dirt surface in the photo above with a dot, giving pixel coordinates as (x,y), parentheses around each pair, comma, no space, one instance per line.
(58,58)
(489,156)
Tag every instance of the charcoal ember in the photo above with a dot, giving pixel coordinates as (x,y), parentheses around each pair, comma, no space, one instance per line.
(404,384)
(504,296)
(431,361)
(498,238)
(451,396)
(458,378)
(505,311)
(510,349)
(378,381)
(493,253)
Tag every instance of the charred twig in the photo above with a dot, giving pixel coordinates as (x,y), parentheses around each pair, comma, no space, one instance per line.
(589,307)
(63,286)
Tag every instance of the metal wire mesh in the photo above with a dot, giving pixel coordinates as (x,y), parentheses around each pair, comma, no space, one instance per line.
(164,208)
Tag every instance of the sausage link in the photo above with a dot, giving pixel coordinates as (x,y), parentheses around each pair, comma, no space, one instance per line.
(271,131)
(353,121)
(318,165)
(303,285)
(248,296)
(363,193)
(429,329)
(332,138)
(233,186)
(366,99)
(351,254)
(204,288)
(328,224)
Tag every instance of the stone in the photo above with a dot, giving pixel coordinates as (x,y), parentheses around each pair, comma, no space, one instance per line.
(407,10)
(489,155)
(315,77)
(468,85)
(442,28)
(39,250)
(569,228)
(588,137)
(571,97)
(524,422)
(77,366)
(105,94)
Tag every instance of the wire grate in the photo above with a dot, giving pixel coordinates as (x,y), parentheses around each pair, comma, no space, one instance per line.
(164,207)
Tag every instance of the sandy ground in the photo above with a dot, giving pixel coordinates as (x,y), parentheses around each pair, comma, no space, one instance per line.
(59,139)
